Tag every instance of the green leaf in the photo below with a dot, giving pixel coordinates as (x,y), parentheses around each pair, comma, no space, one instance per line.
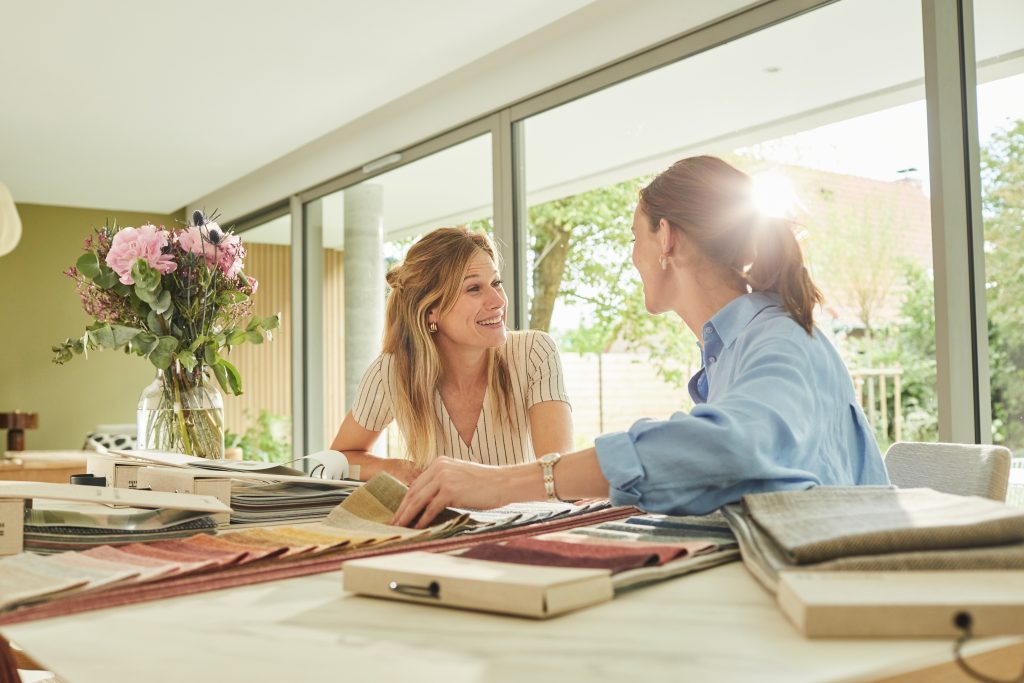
(210,355)
(196,343)
(231,297)
(144,343)
(106,279)
(163,354)
(88,264)
(111,336)
(187,360)
(254,337)
(147,281)
(236,337)
(162,303)
(271,322)
(234,378)
(153,321)
(221,373)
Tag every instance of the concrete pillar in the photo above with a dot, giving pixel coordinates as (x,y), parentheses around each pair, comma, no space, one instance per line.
(364,281)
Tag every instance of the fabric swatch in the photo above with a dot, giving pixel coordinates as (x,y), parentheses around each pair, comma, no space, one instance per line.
(615,557)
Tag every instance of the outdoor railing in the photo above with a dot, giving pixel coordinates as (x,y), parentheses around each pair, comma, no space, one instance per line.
(871,386)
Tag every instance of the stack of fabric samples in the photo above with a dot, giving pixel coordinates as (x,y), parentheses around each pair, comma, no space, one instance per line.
(637,550)
(874,528)
(361,521)
(522,514)
(282,503)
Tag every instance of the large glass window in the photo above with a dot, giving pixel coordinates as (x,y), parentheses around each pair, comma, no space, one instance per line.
(834,130)
(259,421)
(367,228)
(999,48)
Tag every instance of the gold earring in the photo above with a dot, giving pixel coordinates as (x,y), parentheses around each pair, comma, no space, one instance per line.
(664,262)
(432,327)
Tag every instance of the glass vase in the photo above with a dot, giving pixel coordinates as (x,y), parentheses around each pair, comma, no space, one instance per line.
(183,412)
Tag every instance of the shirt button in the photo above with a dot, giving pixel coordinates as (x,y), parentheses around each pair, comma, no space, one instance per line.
(712,359)
(708,330)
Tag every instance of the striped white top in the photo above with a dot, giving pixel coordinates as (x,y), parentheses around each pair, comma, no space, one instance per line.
(536,374)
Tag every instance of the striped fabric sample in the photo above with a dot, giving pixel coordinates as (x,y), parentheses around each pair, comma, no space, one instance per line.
(590,554)
(536,373)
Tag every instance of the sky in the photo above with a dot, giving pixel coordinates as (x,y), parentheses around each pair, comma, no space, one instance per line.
(885,144)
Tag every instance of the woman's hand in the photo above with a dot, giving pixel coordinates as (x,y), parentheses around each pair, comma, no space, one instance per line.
(448,482)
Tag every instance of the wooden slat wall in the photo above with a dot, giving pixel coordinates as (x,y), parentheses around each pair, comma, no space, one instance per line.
(265,368)
(334,342)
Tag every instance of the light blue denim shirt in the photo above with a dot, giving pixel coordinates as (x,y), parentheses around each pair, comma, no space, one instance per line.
(775,410)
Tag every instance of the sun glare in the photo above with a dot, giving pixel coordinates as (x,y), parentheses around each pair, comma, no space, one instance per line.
(773,194)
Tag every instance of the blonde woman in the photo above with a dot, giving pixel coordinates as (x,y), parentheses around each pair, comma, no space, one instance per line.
(456,382)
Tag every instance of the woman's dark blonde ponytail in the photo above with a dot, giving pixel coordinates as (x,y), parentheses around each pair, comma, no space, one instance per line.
(709,202)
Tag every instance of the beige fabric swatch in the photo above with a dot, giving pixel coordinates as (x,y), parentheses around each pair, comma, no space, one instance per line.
(825,523)
(20,584)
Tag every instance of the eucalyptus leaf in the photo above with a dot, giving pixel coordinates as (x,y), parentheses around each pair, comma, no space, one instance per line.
(162,303)
(106,279)
(88,264)
(145,342)
(163,354)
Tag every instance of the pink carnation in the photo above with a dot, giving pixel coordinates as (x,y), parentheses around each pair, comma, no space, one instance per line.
(147,243)
(220,249)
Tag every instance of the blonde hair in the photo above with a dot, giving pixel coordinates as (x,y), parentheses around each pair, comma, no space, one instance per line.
(431,277)
(709,201)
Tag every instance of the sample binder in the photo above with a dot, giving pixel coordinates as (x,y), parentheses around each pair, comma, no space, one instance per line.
(453,581)
(902,603)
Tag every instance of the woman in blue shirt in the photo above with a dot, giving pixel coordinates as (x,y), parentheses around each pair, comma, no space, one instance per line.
(775,407)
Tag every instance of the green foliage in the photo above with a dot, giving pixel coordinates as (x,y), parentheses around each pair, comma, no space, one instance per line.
(268,439)
(1002,173)
(191,316)
(581,249)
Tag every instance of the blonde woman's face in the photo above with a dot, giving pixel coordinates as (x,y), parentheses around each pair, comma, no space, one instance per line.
(478,317)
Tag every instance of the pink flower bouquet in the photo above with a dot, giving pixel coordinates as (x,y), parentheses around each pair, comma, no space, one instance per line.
(180,299)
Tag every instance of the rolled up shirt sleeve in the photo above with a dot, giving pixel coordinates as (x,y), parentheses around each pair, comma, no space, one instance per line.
(757,436)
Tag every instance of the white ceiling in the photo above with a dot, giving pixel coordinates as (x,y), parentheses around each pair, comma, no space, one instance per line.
(794,77)
(138,104)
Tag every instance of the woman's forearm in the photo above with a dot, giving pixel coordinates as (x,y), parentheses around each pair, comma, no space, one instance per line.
(577,475)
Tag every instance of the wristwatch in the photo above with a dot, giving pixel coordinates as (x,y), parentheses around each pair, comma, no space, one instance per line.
(547,463)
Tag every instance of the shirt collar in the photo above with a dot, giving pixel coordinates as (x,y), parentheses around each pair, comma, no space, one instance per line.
(732,318)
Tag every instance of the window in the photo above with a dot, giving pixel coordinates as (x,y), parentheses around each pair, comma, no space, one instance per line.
(999,49)
(367,228)
(832,127)
(266,401)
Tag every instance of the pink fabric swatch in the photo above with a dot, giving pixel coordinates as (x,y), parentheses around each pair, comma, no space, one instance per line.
(616,558)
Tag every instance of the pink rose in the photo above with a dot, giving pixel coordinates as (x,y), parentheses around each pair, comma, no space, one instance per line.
(147,243)
(220,249)
(253,284)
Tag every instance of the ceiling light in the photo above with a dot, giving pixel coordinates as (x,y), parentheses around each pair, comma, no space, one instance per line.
(10,222)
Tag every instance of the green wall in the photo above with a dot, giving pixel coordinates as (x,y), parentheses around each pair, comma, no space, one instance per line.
(38,308)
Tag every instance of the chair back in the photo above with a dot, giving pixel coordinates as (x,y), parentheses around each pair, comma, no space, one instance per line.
(962,469)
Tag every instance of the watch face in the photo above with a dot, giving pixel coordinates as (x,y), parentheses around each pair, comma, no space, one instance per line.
(550,458)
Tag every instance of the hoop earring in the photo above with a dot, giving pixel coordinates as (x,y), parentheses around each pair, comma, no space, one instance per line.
(432,327)
(664,262)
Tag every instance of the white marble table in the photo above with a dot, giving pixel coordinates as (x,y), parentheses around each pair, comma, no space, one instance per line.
(718,625)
